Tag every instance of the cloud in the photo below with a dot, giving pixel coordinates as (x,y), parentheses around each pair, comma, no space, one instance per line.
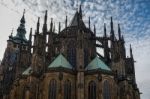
(133,15)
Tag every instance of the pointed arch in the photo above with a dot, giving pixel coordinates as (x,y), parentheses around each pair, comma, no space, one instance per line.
(92,90)
(52,89)
(67,89)
(106,90)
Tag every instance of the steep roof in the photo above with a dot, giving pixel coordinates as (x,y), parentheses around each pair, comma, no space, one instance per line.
(28,71)
(77,20)
(21,31)
(60,61)
(97,63)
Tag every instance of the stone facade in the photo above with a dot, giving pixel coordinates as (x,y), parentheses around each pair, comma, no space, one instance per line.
(66,65)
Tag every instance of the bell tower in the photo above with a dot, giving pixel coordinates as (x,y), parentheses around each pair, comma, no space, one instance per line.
(17,56)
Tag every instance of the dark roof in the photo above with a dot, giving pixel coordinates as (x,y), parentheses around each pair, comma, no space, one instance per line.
(77,20)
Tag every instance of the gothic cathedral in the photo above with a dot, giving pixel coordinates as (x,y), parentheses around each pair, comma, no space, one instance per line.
(66,64)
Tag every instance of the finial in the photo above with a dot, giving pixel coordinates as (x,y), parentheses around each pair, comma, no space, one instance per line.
(23,19)
(38,25)
(94,30)
(122,38)
(80,11)
(111,23)
(45,23)
(112,30)
(59,27)
(38,20)
(131,54)
(89,23)
(119,32)
(51,25)
(24,12)
(54,28)
(30,36)
(45,19)
(105,34)
(66,22)
(12,32)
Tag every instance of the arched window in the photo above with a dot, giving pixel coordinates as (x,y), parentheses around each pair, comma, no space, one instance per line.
(92,90)
(106,90)
(52,89)
(67,90)
(71,56)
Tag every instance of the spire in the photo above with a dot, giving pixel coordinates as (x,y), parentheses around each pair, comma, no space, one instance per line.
(23,19)
(12,32)
(77,20)
(80,11)
(122,38)
(45,18)
(94,30)
(21,31)
(59,28)
(89,23)
(45,22)
(66,22)
(30,36)
(54,28)
(11,35)
(38,25)
(51,25)
(105,34)
(112,30)
(131,54)
(119,32)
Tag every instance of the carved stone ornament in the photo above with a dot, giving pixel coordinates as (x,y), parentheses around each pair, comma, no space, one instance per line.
(60,75)
(99,77)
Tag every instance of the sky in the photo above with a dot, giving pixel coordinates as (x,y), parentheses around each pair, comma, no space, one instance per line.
(132,15)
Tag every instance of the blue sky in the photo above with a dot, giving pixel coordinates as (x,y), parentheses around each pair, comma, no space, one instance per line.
(133,16)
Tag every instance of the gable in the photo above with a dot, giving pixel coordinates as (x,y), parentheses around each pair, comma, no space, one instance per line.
(60,61)
(97,63)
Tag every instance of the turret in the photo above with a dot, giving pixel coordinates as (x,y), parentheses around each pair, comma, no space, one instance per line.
(30,35)
(45,23)
(105,44)
(131,54)
(38,26)
(89,23)
(94,30)
(30,40)
(51,25)
(59,28)
(80,12)
(119,32)
(54,28)
(105,34)
(66,22)
(112,30)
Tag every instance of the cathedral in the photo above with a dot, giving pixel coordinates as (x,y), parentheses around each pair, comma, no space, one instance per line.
(67,64)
